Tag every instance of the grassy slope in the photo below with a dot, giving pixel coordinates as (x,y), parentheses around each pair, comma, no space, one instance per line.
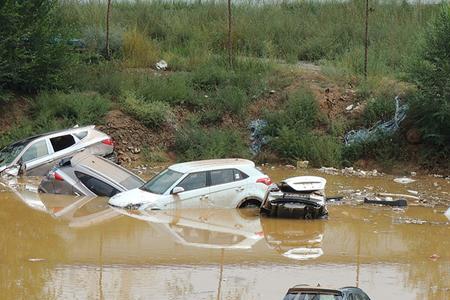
(201,107)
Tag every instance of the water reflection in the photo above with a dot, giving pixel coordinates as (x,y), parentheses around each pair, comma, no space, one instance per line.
(210,254)
(295,239)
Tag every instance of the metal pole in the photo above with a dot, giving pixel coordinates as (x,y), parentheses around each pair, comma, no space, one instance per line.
(108,15)
(230,53)
(366,39)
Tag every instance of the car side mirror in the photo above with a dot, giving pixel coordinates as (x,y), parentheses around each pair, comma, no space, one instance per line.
(177,190)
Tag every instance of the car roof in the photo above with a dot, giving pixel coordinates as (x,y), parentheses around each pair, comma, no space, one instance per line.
(211,164)
(37,136)
(107,169)
(314,289)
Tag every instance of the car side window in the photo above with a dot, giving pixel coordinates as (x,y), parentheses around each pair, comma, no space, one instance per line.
(239,175)
(62,142)
(193,181)
(222,176)
(37,150)
(96,186)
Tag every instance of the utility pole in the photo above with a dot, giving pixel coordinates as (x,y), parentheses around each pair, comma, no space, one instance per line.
(366,39)
(108,16)
(230,45)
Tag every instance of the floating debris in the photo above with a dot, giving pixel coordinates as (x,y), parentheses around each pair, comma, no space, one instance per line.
(404,180)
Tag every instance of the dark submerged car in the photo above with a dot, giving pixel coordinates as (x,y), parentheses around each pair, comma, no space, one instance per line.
(306,292)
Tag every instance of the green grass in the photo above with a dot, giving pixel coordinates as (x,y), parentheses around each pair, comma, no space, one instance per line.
(56,110)
(327,30)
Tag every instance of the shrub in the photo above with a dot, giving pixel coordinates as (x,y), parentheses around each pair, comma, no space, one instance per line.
(33,51)
(300,112)
(138,50)
(151,114)
(58,109)
(319,150)
(378,109)
(196,143)
(175,89)
(231,100)
(430,109)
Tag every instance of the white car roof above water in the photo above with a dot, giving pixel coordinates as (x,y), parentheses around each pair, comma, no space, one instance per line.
(211,164)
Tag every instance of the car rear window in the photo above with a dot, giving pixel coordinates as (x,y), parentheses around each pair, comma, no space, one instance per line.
(62,142)
(96,186)
(311,296)
(81,135)
(226,176)
(222,176)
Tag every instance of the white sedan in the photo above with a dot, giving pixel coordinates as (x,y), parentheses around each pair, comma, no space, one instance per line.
(225,183)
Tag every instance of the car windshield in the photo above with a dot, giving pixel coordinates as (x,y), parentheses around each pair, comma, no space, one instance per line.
(161,182)
(9,153)
(311,296)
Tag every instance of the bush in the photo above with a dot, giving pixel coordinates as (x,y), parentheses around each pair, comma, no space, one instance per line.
(430,109)
(51,110)
(138,50)
(57,110)
(318,150)
(300,112)
(378,109)
(33,51)
(174,89)
(231,100)
(152,114)
(196,143)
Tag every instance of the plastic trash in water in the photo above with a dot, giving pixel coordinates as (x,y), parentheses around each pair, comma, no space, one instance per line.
(257,138)
(447,213)
(379,129)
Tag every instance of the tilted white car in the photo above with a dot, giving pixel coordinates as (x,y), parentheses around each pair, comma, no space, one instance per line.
(226,183)
(37,155)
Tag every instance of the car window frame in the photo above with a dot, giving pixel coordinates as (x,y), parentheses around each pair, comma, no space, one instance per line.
(101,179)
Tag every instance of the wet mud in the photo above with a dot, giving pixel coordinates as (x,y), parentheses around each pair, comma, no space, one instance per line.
(56,247)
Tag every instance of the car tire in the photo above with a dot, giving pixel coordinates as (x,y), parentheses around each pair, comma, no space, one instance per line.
(250,203)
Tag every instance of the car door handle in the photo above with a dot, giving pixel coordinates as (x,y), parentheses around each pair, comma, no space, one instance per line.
(240,189)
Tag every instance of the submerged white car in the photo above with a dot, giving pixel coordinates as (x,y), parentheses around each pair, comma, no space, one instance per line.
(225,183)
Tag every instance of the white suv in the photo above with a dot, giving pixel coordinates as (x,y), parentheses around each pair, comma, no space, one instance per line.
(226,183)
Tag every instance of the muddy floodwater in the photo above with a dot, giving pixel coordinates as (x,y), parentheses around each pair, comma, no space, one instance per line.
(54,247)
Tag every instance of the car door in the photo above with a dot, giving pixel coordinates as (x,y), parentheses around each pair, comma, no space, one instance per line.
(36,158)
(195,194)
(226,187)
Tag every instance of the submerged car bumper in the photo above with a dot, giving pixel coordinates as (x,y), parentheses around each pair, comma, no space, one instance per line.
(295,209)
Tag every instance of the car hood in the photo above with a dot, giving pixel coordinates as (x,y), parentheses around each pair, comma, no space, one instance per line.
(135,199)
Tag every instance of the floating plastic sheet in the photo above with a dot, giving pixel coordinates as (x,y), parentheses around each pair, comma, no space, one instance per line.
(257,138)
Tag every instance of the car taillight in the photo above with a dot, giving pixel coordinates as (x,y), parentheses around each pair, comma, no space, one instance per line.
(109,142)
(56,176)
(265,180)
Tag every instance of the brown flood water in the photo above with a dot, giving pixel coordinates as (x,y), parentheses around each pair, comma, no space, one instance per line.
(54,247)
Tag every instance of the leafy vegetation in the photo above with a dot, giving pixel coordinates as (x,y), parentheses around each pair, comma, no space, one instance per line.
(33,50)
(196,143)
(431,73)
(57,110)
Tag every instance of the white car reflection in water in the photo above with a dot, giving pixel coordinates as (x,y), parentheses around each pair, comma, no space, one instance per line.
(206,228)
(294,239)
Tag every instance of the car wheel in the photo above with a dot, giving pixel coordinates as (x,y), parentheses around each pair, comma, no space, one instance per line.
(251,203)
